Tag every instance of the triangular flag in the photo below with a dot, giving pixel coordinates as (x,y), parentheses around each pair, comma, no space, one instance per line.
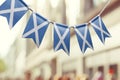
(84,37)
(36,28)
(13,10)
(100,28)
(61,37)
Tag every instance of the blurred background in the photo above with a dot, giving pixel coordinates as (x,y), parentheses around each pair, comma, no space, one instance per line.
(20,59)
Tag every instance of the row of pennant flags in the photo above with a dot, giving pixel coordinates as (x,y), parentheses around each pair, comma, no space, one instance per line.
(37,25)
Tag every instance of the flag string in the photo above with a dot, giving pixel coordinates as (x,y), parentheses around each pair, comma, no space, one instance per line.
(30,9)
(37,26)
(107,4)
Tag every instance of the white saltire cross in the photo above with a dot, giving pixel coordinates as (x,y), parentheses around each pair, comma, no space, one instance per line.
(84,38)
(35,29)
(61,37)
(12,10)
(99,27)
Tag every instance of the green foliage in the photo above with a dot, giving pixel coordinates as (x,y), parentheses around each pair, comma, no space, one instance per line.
(2,66)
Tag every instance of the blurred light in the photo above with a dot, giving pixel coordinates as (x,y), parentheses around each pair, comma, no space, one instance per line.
(98,2)
(7,36)
(54,3)
(2,1)
(20,62)
(73,10)
(40,3)
(29,2)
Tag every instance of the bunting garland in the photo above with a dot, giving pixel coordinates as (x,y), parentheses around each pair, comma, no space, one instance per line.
(37,25)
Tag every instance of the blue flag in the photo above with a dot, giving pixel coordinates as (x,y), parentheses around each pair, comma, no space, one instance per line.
(61,37)
(36,28)
(13,10)
(84,37)
(100,28)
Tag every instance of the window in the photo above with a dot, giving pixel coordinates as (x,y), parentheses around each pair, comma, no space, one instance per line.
(90,73)
(101,69)
(88,5)
(113,69)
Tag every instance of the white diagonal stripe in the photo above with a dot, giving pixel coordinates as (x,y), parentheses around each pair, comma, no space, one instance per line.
(42,25)
(15,10)
(21,9)
(28,33)
(97,27)
(61,39)
(83,38)
(33,30)
(5,11)
(36,30)
(85,35)
(102,34)
(12,13)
